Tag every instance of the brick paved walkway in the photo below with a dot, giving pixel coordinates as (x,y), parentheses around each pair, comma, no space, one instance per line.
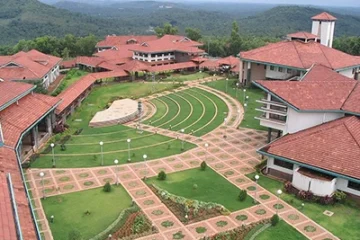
(232,157)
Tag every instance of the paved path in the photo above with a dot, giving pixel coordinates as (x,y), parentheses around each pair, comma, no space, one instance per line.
(232,157)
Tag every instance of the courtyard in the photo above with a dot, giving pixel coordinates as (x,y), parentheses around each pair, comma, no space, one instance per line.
(183,126)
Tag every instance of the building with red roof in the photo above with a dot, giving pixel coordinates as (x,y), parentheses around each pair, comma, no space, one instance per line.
(26,123)
(292,58)
(32,67)
(119,42)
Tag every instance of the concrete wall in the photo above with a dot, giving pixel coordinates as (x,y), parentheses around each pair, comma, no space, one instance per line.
(257,72)
(348,73)
(270,164)
(51,76)
(182,57)
(297,121)
(275,74)
(325,31)
(342,184)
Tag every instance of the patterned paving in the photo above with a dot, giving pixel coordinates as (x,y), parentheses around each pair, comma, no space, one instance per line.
(232,157)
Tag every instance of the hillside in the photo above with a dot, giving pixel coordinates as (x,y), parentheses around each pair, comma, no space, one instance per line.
(27,19)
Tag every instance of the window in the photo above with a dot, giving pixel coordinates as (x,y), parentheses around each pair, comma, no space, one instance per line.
(265,67)
(354,185)
(283,164)
(280,69)
(272,68)
(289,71)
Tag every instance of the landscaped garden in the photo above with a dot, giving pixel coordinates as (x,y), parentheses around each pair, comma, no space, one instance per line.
(206,187)
(87,212)
(194,110)
(71,77)
(345,221)
(253,94)
(282,231)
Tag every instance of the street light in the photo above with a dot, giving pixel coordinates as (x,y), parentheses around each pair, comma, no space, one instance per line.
(256,181)
(128,141)
(145,157)
(42,182)
(244,92)
(182,139)
(226,85)
(279,192)
(225,119)
(52,145)
(101,150)
(207,153)
(237,88)
(117,171)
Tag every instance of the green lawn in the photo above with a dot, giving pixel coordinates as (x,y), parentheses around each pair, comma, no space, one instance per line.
(282,231)
(193,110)
(344,223)
(69,211)
(211,188)
(186,77)
(253,93)
(71,77)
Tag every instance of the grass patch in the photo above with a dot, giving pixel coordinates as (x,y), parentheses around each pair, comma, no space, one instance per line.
(186,77)
(211,188)
(71,77)
(253,93)
(344,223)
(282,231)
(69,211)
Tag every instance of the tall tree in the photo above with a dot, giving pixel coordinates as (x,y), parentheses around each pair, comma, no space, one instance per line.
(235,40)
(193,33)
(167,28)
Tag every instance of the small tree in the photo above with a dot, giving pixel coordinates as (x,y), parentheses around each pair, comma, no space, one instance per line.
(107,187)
(274,219)
(242,195)
(203,166)
(162,176)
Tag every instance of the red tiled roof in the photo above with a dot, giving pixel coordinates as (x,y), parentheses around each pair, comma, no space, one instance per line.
(68,63)
(120,56)
(111,74)
(231,61)
(311,95)
(89,61)
(324,16)
(324,74)
(302,35)
(210,64)
(111,41)
(135,66)
(199,59)
(169,43)
(174,66)
(11,90)
(7,222)
(32,65)
(333,146)
(300,55)
(16,118)
(74,91)
(352,103)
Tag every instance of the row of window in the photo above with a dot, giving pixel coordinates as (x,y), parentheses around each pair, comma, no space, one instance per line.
(279,69)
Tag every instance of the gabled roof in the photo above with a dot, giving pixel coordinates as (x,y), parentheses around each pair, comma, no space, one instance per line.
(302,35)
(310,95)
(135,66)
(175,66)
(119,56)
(231,61)
(332,146)
(12,91)
(169,43)
(352,103)
(32,65)
(7,220)
(111,41)
(324,16)
(298,54)
(322,73)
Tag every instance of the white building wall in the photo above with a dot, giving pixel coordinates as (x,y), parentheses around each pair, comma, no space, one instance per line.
(315,27)
(347,73)
(275,74)
(270,164)
(297,121)
(316,186)
(342,184)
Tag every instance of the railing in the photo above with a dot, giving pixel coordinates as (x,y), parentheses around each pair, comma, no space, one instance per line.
(13,203)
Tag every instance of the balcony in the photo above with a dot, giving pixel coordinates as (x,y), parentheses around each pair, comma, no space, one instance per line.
(274,103)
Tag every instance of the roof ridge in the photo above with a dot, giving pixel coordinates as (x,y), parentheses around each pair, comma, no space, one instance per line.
(357,142)
(298,54)
(320,46)
(348,96)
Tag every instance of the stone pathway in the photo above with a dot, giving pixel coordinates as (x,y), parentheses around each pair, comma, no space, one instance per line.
(232,157)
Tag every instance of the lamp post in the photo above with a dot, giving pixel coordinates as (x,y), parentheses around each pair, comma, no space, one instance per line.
(101,150)
(145,157)
(237,88)
(279,192)
(256,186)
(246,99)
(207,153)
(42,182)
(52,145)
(117,171)
(182,139)
(128,141)
(225,119)
(226,85)
(244,92)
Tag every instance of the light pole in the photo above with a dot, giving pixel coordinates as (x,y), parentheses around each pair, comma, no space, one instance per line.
(244,92)
(101,150)
(279,192)
(207,153)
(145,157)
(237,88)
(226,85)
(128,141)
(256,186)
(246,99)
(42,182)
(182,140)
(117,171)
(52,145)
(225,119)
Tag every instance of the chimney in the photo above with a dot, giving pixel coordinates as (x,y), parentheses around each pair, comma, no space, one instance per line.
(323,25)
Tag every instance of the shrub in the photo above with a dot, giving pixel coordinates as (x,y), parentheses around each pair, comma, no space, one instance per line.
(162,176)
(107,187)
(195,186)
(63,147)
(340,196)
(260,165)
(203,166)
(242,195)
(274,220)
